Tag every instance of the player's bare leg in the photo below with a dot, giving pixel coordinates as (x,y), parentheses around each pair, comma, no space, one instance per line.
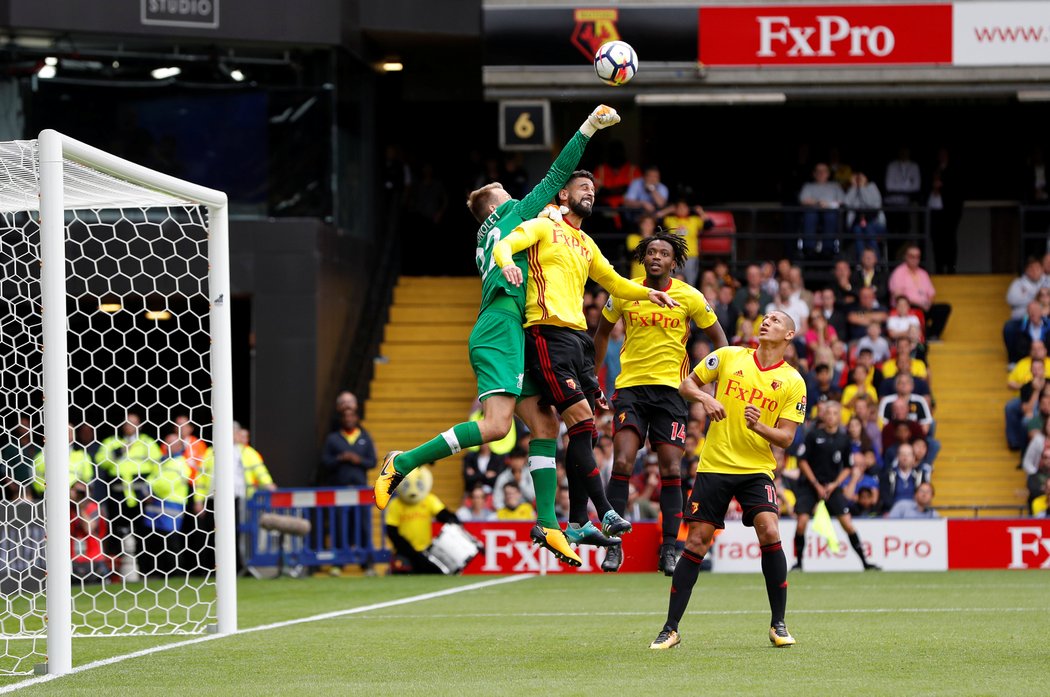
(495,422)
(774,569)
(543,425)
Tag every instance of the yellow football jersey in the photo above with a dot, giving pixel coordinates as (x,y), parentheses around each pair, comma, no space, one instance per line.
(414,521)
(777,390)
(561,258)
(653,351)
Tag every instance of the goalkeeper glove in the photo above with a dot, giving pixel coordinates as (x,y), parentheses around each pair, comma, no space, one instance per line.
(553,212)
(602,117)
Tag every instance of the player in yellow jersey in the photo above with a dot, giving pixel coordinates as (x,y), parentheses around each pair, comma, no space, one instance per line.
(646,404)
(760,401)
(559,354)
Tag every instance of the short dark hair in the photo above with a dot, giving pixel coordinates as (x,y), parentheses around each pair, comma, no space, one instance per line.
(517,452)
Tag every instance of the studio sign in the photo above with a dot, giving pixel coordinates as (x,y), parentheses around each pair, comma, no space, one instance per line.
(181,13)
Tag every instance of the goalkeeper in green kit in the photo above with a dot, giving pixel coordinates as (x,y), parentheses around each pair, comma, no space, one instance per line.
(497,353)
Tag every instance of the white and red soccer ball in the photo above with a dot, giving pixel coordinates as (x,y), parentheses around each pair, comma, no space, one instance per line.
(615,62)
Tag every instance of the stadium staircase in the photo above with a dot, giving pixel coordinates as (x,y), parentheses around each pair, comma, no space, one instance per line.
(974,468)
(423,383)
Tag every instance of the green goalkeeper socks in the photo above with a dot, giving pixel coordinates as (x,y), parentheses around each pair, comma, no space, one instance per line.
(544,479)
(465,435)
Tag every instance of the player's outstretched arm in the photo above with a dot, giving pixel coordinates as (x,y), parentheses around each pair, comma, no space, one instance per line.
(567,161)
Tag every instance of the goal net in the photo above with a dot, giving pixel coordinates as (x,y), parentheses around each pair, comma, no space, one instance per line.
(115,404)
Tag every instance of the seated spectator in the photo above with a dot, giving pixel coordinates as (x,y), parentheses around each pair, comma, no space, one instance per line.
(864,312)
(646,228)
(867,503)
(865,463)
(903,364)
(1040,416)
(846,294)
(904,320)
(752,288)
(747,325)
(1019,334)
(875,342)
(688,222)
(644,498)
(1022,372)
(901,481)
(798,286)
(791,306)
(820,219)
(865,219)
(1039,504)
(869,275)
(647,194)
(819,334)
(514,506)
(914,366)
(724,310)
(513,472)
(864,411)
(1033,452)
(859,384)
(480,468)
(918,407)
(1024,288)
(835,315)
(866,358)
(770,277)
(1020,410)
(476,509)
(898,431)
(613,176)
(918,507)
(912,281)
(819,388)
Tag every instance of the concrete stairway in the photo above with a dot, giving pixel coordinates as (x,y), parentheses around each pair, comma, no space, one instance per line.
(969,382)
(425,386)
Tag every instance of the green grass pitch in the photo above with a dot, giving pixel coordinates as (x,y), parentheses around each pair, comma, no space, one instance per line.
(956,633)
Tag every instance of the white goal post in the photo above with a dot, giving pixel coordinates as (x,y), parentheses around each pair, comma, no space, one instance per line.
(184,229)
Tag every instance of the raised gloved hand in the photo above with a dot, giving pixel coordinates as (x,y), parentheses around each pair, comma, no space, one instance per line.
(554,212)
(602,117)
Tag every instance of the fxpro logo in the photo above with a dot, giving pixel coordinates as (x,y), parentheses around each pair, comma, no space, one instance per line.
(1028,542)
(202,14)
(827,38)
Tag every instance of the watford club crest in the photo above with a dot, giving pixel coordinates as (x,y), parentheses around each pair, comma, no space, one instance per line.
(776,384)
(623,416)
(694,506)
(593,28)
(571,383)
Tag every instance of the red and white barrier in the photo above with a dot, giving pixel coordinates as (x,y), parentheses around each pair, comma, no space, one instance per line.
(895,545)
(321,498)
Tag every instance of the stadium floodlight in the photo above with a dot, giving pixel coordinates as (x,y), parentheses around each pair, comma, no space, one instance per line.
(392,66)
(237,75)
(80,229)
(165,73)
(47,72)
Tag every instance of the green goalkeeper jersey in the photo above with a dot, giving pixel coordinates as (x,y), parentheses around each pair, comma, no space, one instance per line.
(510,215)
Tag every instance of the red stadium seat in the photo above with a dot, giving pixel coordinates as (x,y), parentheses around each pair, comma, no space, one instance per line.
(713,241)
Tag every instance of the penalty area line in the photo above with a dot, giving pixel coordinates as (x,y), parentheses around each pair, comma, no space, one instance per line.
(266,627)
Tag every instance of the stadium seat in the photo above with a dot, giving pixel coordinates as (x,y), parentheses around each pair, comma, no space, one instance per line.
(714,240)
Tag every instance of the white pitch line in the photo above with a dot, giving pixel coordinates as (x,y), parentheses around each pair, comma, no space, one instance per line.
(265,627)
(661,613)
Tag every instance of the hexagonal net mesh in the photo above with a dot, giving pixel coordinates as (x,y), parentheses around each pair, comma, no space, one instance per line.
(139,407)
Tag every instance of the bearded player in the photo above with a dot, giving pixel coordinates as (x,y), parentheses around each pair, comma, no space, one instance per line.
(646,404)
(760,402)
(497,350)
(559,354)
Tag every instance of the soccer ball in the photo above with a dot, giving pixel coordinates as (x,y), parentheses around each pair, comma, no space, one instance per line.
(615,62)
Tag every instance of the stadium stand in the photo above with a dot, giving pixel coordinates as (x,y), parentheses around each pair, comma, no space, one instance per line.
(426,377)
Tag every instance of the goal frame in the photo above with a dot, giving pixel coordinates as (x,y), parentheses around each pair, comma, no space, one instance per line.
(53,149)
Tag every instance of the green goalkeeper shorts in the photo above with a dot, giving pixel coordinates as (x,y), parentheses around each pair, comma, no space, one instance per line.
(497,355)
